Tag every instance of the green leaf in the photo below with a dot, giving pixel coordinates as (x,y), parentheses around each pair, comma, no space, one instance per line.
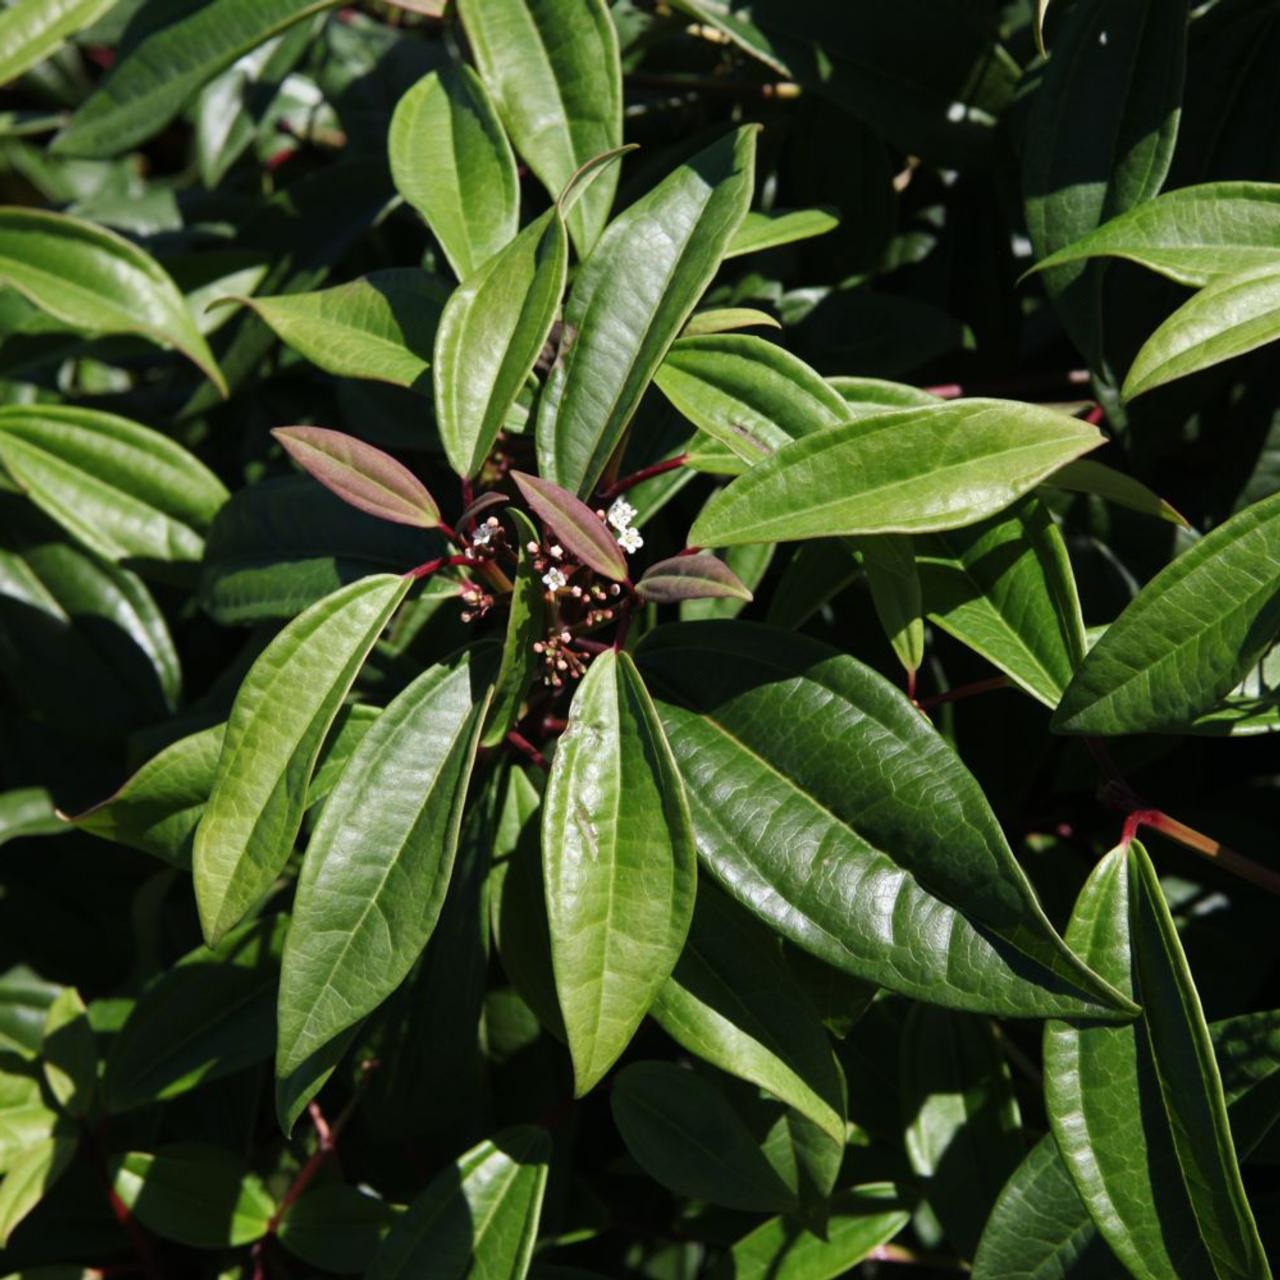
(1099,137)
(890,564)
(193,1193)
(28,811)
(381,326)
(552,68)
(29,1178)
(780,226)
(31,30)
(1087,476)
(630,300)
(892,866)
(1194,235)
(1188,638)
(491,333)
(479,1217)
(619,864)
(379,861)
(748,564)
(963,1129)
(213,1013)
(97,281)
(725,319)
(1005,588)
(525,627)
(583,533)
(910,471)
(733,1002)
(683,1133)
(864,396)
(361,475)
(751,395)
(70,1053)
(25,1120)
(280,718)
(1233,315)
(122,489)
(176,52)
(451,160)
(862,1219)
(336,1227)
(1042,7)
(697,577)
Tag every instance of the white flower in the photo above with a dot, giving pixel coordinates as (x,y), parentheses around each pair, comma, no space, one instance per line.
(630,540)
(482,535)
(555,551)
(553,579)
(621,514)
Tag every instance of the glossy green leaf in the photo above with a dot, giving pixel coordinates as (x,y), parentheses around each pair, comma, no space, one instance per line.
(752,395)
(491,333)
(684,1134)
(1087,476)
(1194,235)
(574,524)
(525,627)
(479,1217)
(619,864)
(962,1124)
(1231,316)
(122,489)
(175,54)
(70,1053)
(361,475)
(862,1219)
(696,577)
(30,1177)
(1190,635)
(1005,588)
(890,564)
(552,68)
(28,811)
(211,1014)
(94,280)
(863,396)
(909,471)
(630,300)
(193,1193)
(381,326)
(780,226)
(379,861)
(25,1117)
(451,160)
(31,30)
(25,999)
(732,1001)
(336,1227)
(918,889)
(280,718)
(725,320)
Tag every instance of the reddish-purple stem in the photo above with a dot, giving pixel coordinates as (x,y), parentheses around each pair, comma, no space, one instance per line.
(645,473)
(441,562)
(527,749)
(964,691)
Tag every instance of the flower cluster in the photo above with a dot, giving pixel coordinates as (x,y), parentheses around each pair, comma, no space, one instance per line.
(620,515)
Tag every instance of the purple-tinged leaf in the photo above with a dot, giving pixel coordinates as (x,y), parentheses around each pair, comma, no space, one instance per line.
(699,577)
(491,498)
(581,531)
(361,475)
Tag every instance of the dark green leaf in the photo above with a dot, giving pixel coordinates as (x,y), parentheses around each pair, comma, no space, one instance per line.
(70,1053)
(336,1227)
(525,627)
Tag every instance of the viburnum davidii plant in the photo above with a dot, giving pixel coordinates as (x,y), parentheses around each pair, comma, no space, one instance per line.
(598,602)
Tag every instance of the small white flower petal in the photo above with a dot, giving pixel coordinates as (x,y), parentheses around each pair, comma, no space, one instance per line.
(553,579)
(630,540)
(621,514)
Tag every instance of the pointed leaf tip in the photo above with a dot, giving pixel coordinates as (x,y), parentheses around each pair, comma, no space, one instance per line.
(583,533)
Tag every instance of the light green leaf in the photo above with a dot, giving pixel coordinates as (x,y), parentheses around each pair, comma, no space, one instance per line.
(70,1053)
(890,564)
(491,334)
(28,811)
(726,319)
(176,54)
(780,226)
(122,489)
(280,718)
(858,834)
(630,300)
(381,326)
(97,281)
(1005,588)
(379,861)
(862,1219)
(30,1177)
(479,1217)
(525,627)
(193,1193)
(909,471)
(451,160)
(1227,318)
(25,1119)
(1087,476)
(619,864)
(1188,638)
(552,68)
(733,1002)
(684,1134)
(31,30)
(863,396)
(1194,235)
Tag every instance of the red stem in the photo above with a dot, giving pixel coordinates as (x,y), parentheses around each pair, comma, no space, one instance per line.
(122,1213)
(441,562)
(526,748)
(964,691)
(645,473)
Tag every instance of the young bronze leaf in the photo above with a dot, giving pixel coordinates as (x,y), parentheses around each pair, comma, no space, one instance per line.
(697,577)
(578,528)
